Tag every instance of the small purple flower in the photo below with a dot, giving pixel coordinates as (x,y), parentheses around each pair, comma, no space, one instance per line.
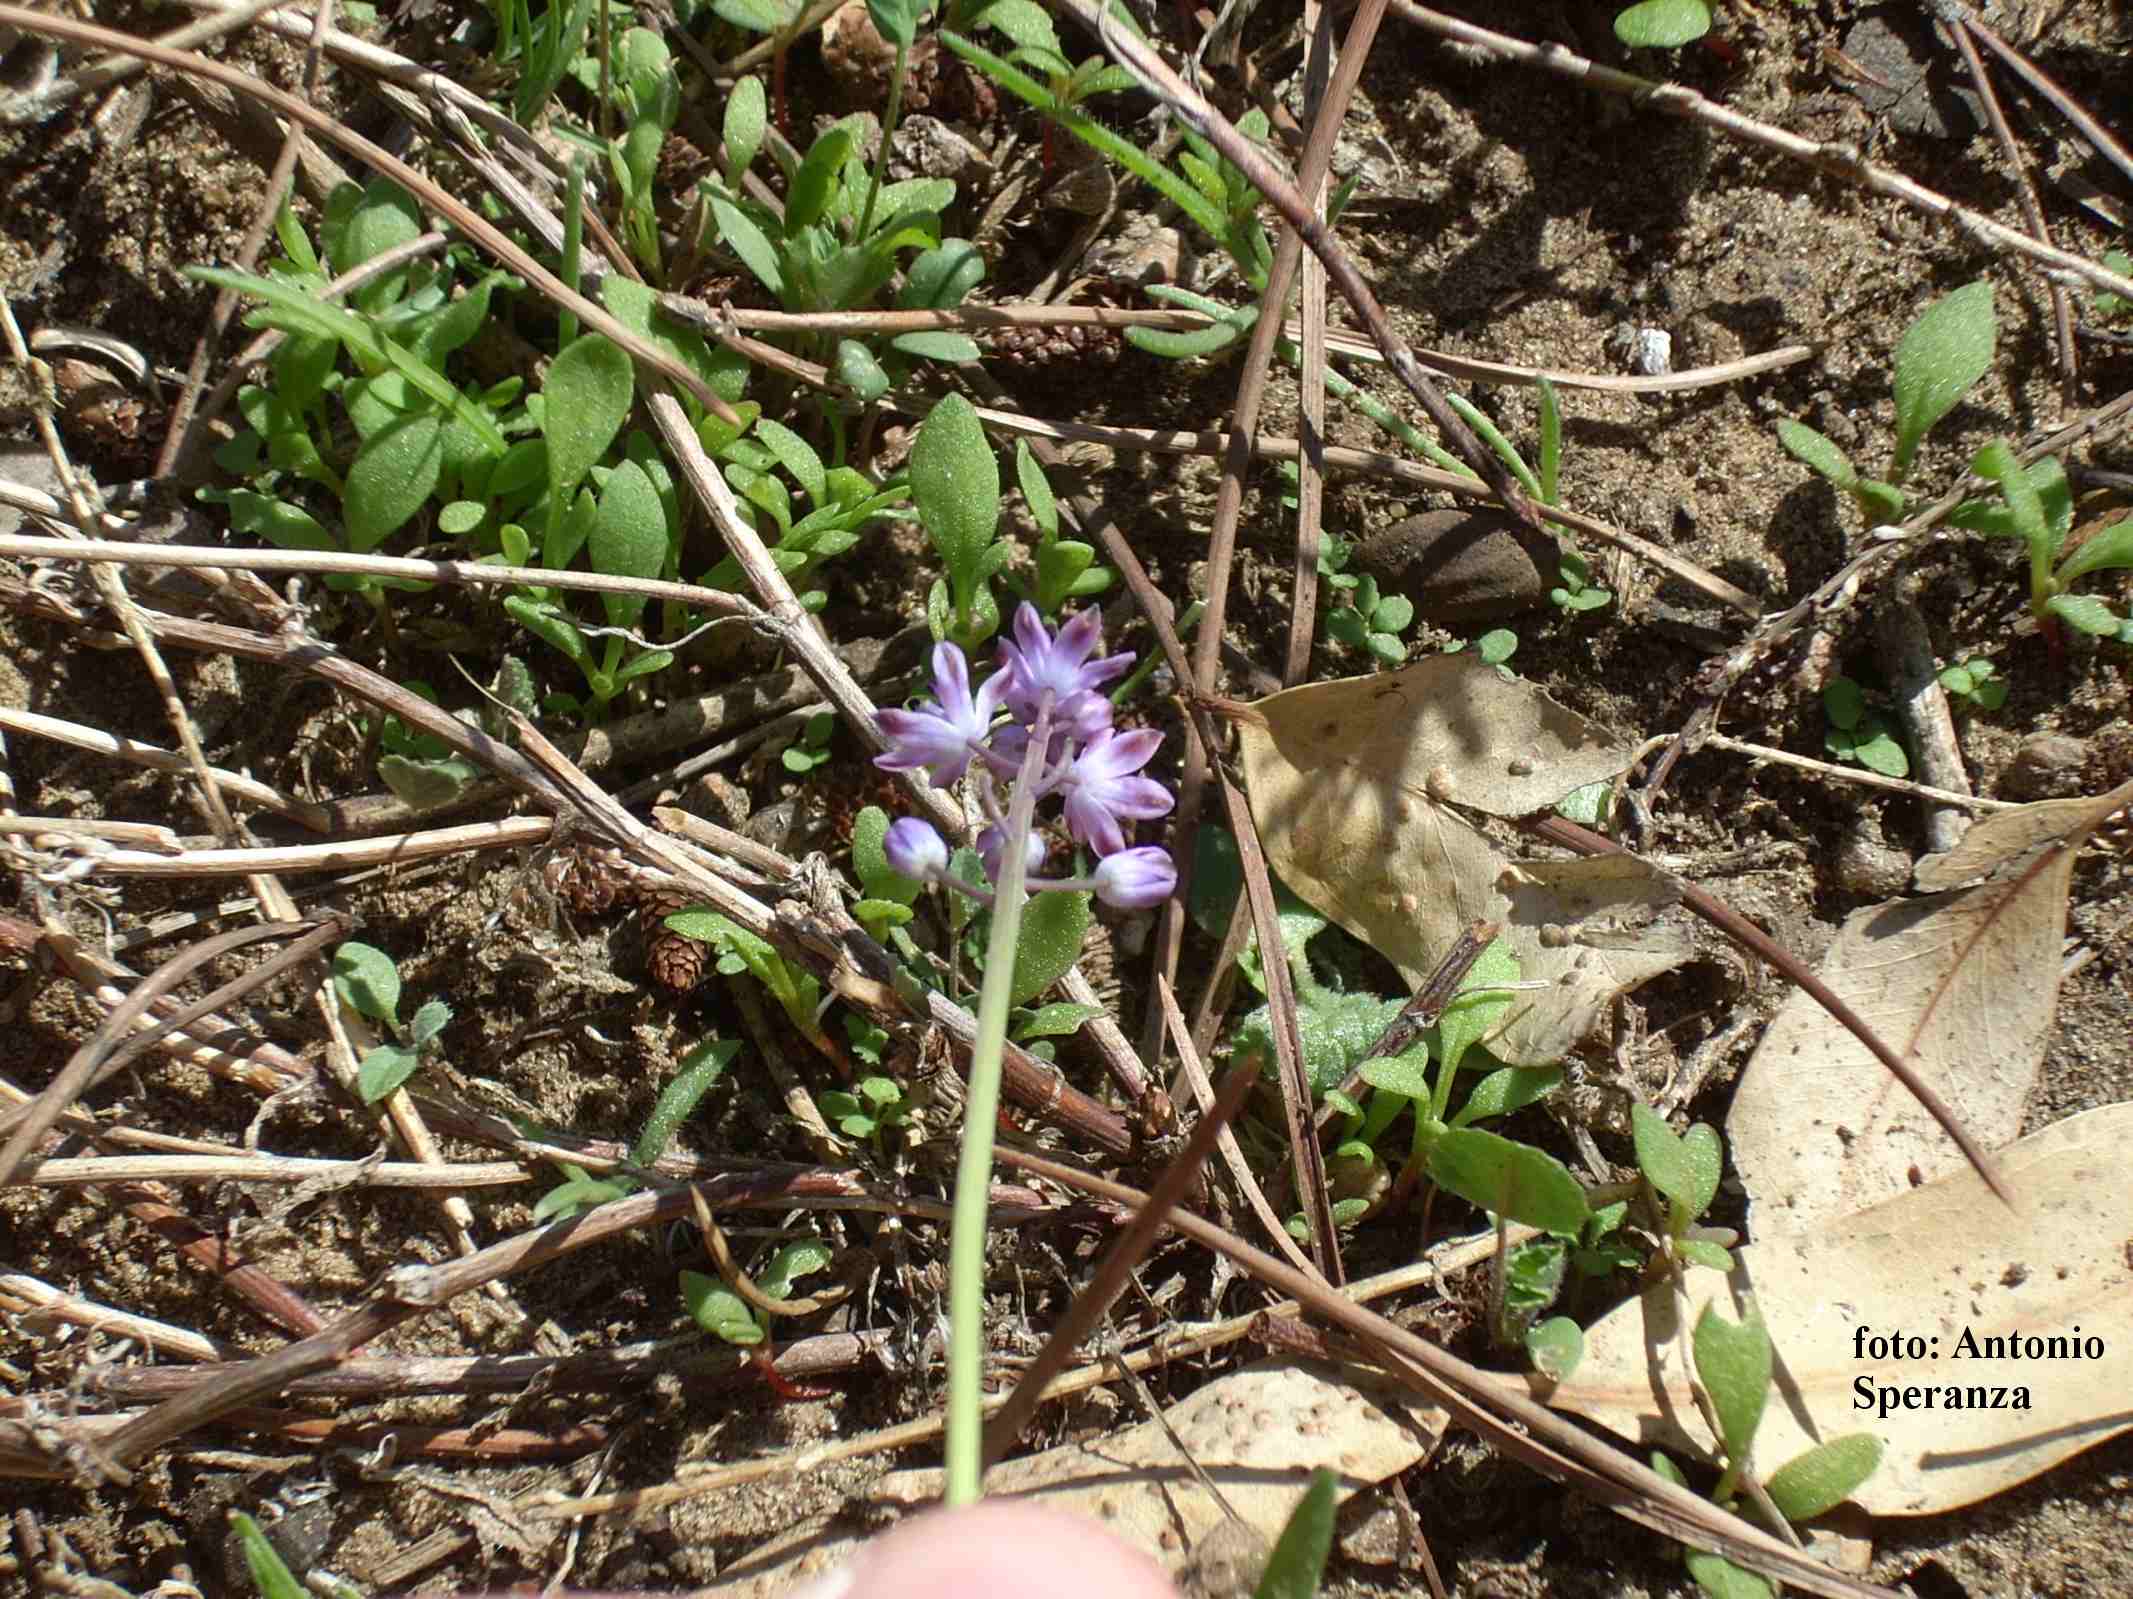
(1039,660)
(915,849)
(992,849)
(943,739)
(1136,879)
(1101,788)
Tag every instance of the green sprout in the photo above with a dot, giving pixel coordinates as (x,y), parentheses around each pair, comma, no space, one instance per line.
(2036,505)
(368,983)
(1859,734)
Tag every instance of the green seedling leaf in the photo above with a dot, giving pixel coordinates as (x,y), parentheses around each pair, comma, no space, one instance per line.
(1298,1563)
(1058,1020)
(1496,646)
(876,876)
(587,398)
(1733,1363)
(1720,1578)
(1479,1005)
(718,1310)
(700,1069)
(392,478)
(278,522)
(2084,613)
(1875,748)
(385,218)
(545,623)
(1511,1179)
(797,457)
(629,538)
(1555,1347)
(1036,491)
(1702,1252)
(270,1575)
(1507,1089)
(1843,702)
(897,20)
(1053,927)
(856,368)
(429,1021)
(1406,1074)
(1663,24)
(425,785)
(1023,21)
(2025,505)
(1816,450)
(757,16)
(383,1070)
(816,179)
(801,1259)
(956,484)
(957,349)
(1210,340)
(1683,1168)
(750,243)
(938,279)
(460,518)
(741,130)
(2113,547)
(1939,357)
(1824,1477)
(368,982)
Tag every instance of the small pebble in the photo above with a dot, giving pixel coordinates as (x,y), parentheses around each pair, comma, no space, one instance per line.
(1461,566)
(2047,766)
(1871,867)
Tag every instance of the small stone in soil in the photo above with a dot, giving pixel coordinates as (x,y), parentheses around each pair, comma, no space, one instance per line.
(1462,566)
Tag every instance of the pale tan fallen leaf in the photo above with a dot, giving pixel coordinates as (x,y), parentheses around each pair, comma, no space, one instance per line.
(1353,786)
(1963,984)
(1257,1433)
(1943,1263)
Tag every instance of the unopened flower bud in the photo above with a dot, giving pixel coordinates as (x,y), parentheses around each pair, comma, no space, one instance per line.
(1136,879)
(915,849)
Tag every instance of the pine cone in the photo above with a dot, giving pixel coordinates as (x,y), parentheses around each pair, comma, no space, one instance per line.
(1039,347)
(582,880)
(675,961)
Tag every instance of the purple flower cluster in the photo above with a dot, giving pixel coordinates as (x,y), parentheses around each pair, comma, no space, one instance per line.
(1056,680)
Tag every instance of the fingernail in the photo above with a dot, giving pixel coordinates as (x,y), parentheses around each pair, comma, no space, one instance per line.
(833,1585)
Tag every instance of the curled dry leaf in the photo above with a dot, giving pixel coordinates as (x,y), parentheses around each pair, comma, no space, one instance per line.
(1964,983)
(1948,1265)
(1356,788)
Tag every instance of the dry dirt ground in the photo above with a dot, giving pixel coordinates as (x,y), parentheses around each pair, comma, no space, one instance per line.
(1511,217)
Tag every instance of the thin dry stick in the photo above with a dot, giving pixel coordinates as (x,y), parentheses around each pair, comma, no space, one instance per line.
(1560,830)
(1109,1280)
(206,1248)
(1172,1343)
(461,216)
(1311,312)
(1203,1094)
(28,1300)
(1154,72)
(2032,212)
(2030,73)
(307,812)
(1839,160)
(1498,1408)
(1719,677)
(1847,774)
(1207,643)
(255,236)
(88,1171)
(1020,314)
(114,1042)
(515,832)
(19,109)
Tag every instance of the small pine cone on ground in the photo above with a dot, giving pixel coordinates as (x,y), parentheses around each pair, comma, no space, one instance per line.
(676,962)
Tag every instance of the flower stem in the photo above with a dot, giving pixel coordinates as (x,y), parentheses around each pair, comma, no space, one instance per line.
(981,1118)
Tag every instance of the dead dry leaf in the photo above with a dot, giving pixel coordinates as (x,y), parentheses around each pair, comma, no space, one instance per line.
(1963,984)
(1940,1263)
(1353,786)
(1257,1433)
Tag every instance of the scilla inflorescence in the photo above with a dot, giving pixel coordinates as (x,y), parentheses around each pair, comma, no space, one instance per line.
(1045,681)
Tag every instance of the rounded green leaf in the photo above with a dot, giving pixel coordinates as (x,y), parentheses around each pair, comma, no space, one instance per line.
(2084,613)
(870,862)
(718,1310)
(1939,357)
(629,537)
(1824,1477)
(461,516)
(1663,24)
(1733,1362)
(1720,1578)
(383,1070)
(816,179)
(956,484)
(1843,702)
(367,981)
(1511,1179)
(1053,927)
(392,478)
(1555,1347)
(586,399)
(741,131)
(1803,443)
(1507,1089)
(1685,1169)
